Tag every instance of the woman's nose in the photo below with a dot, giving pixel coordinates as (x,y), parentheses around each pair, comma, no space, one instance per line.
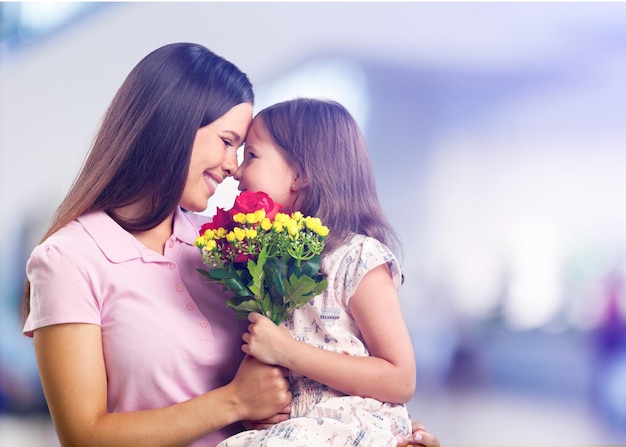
(230,164)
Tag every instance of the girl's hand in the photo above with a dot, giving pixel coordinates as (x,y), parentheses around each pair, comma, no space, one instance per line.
(266,341)
(420,437)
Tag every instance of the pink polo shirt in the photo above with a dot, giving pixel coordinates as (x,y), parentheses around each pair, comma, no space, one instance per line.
(167,334)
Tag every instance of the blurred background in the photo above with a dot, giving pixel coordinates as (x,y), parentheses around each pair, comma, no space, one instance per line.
(498,138)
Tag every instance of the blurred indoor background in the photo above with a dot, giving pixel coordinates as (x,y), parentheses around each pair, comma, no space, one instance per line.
(498,136)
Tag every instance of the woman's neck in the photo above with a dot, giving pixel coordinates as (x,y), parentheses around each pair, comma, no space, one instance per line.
(154,238)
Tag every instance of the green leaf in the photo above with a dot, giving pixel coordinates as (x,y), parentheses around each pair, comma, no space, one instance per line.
(301,289)
(243,308)
(312,266)
(257,274)
(274,276)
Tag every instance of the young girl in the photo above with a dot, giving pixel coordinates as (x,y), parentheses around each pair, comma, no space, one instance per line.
(348,351)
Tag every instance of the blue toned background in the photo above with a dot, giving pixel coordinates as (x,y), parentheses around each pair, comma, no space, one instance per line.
(497,135)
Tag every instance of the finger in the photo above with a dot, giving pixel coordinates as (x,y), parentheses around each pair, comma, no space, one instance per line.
(418,426)
(253,317)
(427,440)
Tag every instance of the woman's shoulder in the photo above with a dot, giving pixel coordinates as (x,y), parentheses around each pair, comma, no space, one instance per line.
(76,239)
(73,235)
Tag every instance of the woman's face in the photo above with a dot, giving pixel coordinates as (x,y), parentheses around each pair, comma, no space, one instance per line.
(214,155)
(264,168)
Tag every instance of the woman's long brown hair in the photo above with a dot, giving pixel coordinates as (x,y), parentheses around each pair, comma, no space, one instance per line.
(142,150)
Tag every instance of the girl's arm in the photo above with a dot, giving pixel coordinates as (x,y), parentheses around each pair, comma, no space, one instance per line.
(387,375)
(74,381)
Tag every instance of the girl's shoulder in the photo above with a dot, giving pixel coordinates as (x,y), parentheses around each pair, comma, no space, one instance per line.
(361,246)
(360,254)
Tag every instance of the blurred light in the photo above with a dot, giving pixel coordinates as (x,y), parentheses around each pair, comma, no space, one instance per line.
(41,17)
(535,291)
(336,79)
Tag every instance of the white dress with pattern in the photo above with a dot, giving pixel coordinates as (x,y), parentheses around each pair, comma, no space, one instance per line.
(322,416)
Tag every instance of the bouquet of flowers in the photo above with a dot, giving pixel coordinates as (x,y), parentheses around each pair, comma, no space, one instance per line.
(270,260)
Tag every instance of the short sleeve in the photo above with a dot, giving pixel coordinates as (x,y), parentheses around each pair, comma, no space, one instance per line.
(363,254)
(60,289)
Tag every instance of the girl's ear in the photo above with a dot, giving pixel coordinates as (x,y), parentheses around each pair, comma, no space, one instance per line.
(296,184)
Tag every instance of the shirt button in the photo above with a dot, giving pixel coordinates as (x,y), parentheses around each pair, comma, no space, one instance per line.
(171,243)
(191,307)
(179,287)
(171,266)
(204,323)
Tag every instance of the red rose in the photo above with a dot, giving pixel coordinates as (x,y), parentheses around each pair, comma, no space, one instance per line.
(221,220)
(249,202)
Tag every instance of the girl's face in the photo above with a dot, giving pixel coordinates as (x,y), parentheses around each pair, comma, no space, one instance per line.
(265,168)
(214,155)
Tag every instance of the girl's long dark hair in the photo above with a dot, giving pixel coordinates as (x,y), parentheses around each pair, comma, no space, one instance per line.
(142,150)
(324,145)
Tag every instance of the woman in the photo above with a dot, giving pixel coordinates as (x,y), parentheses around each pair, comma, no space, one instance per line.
(133,347)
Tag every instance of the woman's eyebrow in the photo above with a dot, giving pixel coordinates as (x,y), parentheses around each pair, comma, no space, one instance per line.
(235,136)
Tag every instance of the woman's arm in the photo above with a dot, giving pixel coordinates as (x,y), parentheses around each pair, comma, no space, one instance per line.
(387,375)
(71,366)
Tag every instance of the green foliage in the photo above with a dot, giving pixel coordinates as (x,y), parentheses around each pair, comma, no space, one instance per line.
(274,287)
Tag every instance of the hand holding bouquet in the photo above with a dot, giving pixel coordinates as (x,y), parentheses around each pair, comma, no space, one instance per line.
(270,260)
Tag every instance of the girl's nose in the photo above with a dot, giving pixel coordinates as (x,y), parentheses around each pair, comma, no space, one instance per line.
(238,173)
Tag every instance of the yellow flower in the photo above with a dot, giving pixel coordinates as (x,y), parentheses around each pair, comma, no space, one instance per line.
(200,242)
(292,229)
(282,218)
(315,225)
(250,233)
(251,218)
(266,224)
(239,218)
(220,233)
(259,215)
(239,233)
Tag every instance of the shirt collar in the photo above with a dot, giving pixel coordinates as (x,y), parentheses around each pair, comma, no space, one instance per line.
(118,245)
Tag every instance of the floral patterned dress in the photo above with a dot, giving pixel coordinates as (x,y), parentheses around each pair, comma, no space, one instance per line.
(320,415)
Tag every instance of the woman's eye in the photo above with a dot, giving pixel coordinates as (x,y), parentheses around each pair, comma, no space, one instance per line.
(228,143)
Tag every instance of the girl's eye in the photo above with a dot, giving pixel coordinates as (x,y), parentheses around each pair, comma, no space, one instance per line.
(228,143)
